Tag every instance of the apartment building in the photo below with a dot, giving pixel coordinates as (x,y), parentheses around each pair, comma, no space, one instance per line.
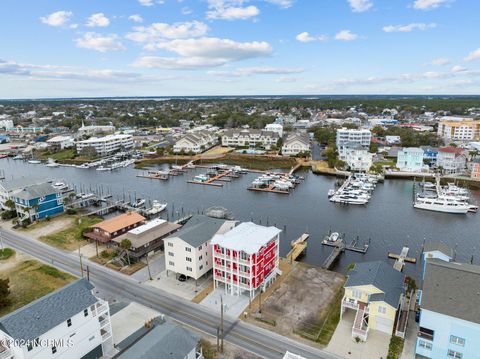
(246,258)
(61,142)
(196,142)
(410,159)
(275,127)
(249,138)
(358,158)
(107,145)
(461,129)
(350,138)
(295,144)
(451,160)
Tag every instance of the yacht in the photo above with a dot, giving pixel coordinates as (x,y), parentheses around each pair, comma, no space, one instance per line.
(34,162)
(60,186)
(347,199)
(157,207)
(52,163)
(138,203)
(18,157)
(331,192)
(442,204)
(200,178)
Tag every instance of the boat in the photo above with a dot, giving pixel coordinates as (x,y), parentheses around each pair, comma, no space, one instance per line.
(157,207)
(18,157)
(442,204)
(176,167)
(3,156)
(60,186)
(34,162)
(200,178)
(427,185)
(347,199)
(101,168)
(52,163)
(138,203)
(333,237)
(331,192)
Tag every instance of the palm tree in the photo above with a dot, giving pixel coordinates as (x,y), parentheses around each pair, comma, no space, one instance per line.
(126,244)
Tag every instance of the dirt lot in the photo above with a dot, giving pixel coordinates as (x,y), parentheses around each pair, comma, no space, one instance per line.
(45,228)
(303,299)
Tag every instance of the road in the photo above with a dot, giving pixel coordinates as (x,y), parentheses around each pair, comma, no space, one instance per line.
(249,337)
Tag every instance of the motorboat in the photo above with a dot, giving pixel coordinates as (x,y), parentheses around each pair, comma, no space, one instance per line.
(102,168)
(34,162)
(442,204)
(51,163)
(331,192)
(428,185)
(60,186)
(347,199)
(200,178)
(157,207)
(18,157)
(138,203)
(176,167)
(334,237)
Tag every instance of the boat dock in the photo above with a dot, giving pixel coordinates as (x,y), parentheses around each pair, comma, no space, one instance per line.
(354,245)
(270,189)
(154,176)
(339,248)
(299,246)
(401,258)
(219,176)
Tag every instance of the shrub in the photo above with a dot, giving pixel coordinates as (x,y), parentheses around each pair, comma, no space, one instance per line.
(6,253)
(71,211)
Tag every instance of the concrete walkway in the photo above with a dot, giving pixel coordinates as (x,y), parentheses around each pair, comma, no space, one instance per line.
(410,337)
(233,305)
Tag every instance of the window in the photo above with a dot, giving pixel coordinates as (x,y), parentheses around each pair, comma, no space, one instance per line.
(29,346)
(201,267)
(85,313)
(171,263)
(69,322)
(170,254)
(454,354)
(457,340)
(189,269)
(54,350)
(357,294)
(188,249)
(200,258)
(91,338)
(188,259)
(170,244)
(424,344)
(426,333)
(200,248)
(382,310)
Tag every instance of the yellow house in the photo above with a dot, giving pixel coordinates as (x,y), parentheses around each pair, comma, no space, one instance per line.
(374,291)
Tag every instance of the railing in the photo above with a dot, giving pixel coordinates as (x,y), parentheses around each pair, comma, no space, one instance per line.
(104,322)
(426,336)
(101,308)
(361,333)
(106,336)
(5,353)
(349,304)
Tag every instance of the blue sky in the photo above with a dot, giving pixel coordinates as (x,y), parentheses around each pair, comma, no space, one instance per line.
(54,48)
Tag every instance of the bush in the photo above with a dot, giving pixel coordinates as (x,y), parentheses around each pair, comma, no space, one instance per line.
(71,211)
(9,215)
(6,253)
(54,272)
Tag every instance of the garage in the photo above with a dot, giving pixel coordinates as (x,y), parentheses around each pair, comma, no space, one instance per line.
(384,325)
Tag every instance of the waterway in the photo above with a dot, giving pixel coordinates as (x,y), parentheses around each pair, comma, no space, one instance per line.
(389,219)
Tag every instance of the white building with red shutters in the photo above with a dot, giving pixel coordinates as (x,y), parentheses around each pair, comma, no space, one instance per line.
(246,258)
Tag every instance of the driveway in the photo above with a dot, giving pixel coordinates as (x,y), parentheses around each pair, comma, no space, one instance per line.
(345,346)
(157,265)
(233,305)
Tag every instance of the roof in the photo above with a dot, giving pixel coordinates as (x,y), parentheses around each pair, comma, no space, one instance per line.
(122,221)
(199,229)
(36,191)
(382,276)
(144,237)
(297,137)
(18,183)
(38,317)
(165,340)
(247,237)
(438,246)
(451,149)
(452,289)
(412,150)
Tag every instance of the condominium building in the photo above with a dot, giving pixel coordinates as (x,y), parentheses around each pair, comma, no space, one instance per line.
(246,258)
(452,128)
(93,130)
(358,158)
(275,127)
(295,144)
(249,138)
(350,138)
(61,142)
(107,145)
(68,323)
(196,142)
(451,160)
(410,159)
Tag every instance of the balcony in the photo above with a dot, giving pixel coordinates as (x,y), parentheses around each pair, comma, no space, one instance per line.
(349,304)
(426,334)
(5,352)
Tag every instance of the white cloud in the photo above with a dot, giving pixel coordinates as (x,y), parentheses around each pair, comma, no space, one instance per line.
(458,68)
(186,10)
(360,5)
(282,3)
(100,42)
(409,27)
(157,32)
(441,61)
(346,35)
(146,2)
(204,52)
(306,37)
(473,55)
(59,18)
(429,4)
(286,79)
(264,70)
(135,18)
(98,20)
(230,10)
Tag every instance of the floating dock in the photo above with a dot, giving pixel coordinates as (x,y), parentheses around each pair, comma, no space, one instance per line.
(154,176)
(354,245)
(338,249)
(299,246)
(221,176)
(401,258)
(270,189)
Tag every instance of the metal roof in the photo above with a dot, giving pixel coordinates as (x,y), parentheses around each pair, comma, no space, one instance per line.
(38,317)
(198,230)
(36,191)
(438,246)
(19,183)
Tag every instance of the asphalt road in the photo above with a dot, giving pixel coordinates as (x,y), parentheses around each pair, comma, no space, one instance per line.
(256,340)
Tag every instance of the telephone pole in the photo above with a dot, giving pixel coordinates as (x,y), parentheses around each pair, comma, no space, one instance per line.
(221,324)
(148,267)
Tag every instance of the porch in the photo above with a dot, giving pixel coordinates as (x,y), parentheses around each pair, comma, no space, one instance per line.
(360,322)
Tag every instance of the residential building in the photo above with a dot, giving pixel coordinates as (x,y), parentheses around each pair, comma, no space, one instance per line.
(463,129)
(374,290)
(189,250)
(275,127)
(410,159)
(249,138)
(295,144)
(435,249)
(38,201)
(164,339)
(9,187)
(94,130)
(451,160)
(449,315)
(393,140)
(475,173)
(246,258)
(147,238)
(430,154)
(4,139)
(58,143)
(106,230)
(67,323)
(6,124)
(351,138)
(21,130)
(197,142)
(107,145)
(358,158)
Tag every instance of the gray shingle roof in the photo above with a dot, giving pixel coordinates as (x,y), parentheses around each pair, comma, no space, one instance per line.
(452,289)
(382,276)
(36,191)
(38,317)
(438,246)
(199,229)
(165,340)
(18,183)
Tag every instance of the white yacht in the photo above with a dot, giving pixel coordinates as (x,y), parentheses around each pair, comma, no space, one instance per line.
(442,204)
(34,162)
(157,207)
(347,199)
(200,178)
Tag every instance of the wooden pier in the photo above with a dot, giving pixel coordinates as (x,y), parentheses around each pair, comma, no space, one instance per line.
(354,245)
(221,176)
(299,246)
(338,249)
(153,176)
(401,258)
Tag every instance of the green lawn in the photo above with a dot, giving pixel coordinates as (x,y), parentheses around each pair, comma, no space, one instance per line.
(66,154)
(6,253)
(332,319)
(70,238)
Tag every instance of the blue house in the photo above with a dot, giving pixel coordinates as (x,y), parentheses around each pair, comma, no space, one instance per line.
(38,201)
(449,317)
(430,154)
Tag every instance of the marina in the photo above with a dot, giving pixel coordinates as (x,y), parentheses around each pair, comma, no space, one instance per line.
(357,189)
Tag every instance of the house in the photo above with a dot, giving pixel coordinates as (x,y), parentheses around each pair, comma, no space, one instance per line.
(10,187)
(93,130)
(109,229)
(410,159)
(67,323)
(374,291)
(58,143)
(147,238)
(4,139)
(350,138)
(451,160)
(430,154)
(197,142)
(38,201)
(358,158)
(475,168)
(246,258)
(393,140)
(189,251)
(164,339)
(463,129)
(449,315)
(275,127)
(435,249)
(249,138)
(4,123)
(295,144)
(107,145)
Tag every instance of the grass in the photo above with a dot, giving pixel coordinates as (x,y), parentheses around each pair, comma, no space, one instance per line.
(395,348)
(203,294)
(66,154)
(71,238)
(30,280)
(108,254)
(255,162)
(6,253)
(332,318)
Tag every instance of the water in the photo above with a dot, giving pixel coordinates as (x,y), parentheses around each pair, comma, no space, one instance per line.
(389,219)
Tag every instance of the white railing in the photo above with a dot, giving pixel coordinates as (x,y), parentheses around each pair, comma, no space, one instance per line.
(349,304)
(104,322)
(5,353)
(106,336)
(361,333)
(101,308)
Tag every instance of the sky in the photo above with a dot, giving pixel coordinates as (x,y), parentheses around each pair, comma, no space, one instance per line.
(78,48)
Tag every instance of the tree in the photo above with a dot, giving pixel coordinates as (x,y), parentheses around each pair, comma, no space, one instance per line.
(373,147)
(10,204)
(4,293)
(89,152)
(126,244)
